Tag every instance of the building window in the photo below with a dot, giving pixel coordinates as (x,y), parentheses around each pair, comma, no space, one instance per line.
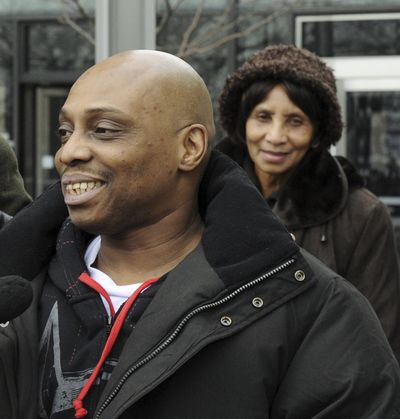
(350,35)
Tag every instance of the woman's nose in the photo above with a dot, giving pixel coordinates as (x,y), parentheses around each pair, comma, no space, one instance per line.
(276,133)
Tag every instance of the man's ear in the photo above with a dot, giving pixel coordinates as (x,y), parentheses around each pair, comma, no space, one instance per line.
(194,145)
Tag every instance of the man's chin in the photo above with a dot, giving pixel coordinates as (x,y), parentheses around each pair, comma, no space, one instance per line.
(89,226)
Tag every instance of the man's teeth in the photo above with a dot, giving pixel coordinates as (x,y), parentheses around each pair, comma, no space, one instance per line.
(82,187)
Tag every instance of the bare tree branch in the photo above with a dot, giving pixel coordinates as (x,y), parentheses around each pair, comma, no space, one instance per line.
(169,10)
(193,25)
(196,47)
(80,9)
(76,4)
(219,25)
(65,19)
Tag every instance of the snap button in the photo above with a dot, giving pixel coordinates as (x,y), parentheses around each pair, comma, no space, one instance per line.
(300,275)
(257,302)
(226,321)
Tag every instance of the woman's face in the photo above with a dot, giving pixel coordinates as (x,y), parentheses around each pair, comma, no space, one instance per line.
(278,134)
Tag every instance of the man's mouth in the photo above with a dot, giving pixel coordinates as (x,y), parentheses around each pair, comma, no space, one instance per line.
(79,188)
(81,191)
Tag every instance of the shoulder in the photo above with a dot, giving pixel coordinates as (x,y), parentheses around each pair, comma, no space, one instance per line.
(342,338)
(362,204)
(342,310)
(334,293)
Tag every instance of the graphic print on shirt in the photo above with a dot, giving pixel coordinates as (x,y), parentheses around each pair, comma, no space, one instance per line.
(59,388)
(65,387)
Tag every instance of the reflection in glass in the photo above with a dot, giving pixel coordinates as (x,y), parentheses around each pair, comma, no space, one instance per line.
(6,93)
(54,46)
(373,139)
(368,37)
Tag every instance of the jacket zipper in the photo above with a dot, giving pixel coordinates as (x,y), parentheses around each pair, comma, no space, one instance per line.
(180,326)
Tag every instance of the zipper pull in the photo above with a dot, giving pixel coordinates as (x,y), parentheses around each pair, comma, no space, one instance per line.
(109,325)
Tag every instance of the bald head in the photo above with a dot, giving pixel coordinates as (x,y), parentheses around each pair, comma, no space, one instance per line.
(162,81)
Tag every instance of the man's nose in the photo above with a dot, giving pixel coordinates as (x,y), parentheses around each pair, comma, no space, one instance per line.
(75,149)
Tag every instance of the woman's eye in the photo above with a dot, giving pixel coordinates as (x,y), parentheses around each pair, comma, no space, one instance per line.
(263,116)
(295,121)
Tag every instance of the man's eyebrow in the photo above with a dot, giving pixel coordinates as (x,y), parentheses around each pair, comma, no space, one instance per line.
(101,109)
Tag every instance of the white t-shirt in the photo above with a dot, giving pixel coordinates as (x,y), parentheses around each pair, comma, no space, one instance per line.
(118,293)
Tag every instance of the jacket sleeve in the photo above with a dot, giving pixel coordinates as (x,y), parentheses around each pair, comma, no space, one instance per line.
(344,367)
(374,269)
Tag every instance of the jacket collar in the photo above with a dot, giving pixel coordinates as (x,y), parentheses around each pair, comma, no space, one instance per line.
(242,235)
(316,192)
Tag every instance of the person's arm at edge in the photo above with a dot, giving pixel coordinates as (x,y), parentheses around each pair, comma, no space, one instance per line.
(28,240)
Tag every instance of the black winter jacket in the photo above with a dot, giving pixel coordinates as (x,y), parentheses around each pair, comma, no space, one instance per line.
(245,327)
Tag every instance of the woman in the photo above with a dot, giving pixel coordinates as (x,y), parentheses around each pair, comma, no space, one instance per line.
(281,114)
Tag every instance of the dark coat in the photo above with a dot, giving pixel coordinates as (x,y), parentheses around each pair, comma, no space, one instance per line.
(335,218)
(4,218)
(13,195)
(244,327)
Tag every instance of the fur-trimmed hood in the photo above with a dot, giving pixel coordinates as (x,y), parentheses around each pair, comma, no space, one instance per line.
(316,191)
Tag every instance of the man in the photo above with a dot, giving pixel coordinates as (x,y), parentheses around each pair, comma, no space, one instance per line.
(174,292)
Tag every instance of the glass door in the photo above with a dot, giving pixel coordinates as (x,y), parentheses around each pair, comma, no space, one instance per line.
(371,138)
(48,103)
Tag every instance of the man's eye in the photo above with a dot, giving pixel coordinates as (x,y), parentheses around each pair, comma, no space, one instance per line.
(64,134)
(106,131)
(102,130)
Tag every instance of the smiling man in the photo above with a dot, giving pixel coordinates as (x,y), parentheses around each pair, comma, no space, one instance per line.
(174,292)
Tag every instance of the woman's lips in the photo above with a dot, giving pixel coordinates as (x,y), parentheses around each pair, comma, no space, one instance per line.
(273,157)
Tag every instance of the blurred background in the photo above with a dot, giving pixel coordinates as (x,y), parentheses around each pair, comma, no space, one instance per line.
(46,44)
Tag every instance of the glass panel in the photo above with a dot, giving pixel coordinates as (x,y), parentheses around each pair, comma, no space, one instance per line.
(54,46)
(368,37)
(49,103)
(373,139)
(373,145)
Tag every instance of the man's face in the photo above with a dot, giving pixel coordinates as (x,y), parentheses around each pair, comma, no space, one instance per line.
(118,156)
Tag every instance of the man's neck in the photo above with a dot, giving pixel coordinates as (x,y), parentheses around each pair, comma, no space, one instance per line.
(149,252)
